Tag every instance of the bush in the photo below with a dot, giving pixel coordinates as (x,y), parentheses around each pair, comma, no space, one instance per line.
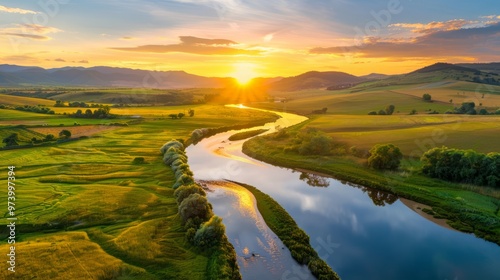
(174,143)
(385,156)
(381,112)
(426,97)
(184,191)
(65,134)
(195,206)
(138,160)
(320,144)
(210,233)
(372,113)
(183,180)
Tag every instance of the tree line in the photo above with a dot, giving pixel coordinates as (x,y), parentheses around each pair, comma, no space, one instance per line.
(101,113)
(77,104)
(463,166)
(40,109)
(203,229)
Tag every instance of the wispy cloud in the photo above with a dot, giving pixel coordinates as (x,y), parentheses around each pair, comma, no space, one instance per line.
(40,29)
(16,10)
(28,36)
(30,31)
(195,45)
(431,27)
(464,42)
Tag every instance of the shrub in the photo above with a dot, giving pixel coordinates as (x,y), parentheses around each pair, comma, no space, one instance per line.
(184,191)
(195,206)
(184,179)
(372,113)
(381,112)
(385,156)
(426,97)
(174,143)
(210,233)
(138,160)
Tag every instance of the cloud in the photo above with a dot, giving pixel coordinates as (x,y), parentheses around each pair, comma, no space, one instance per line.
(127,38)
(478,41)
(40,29)
(29,36)
(29,31)
(59,60)
(16,10)
(435,26)
(195,45)
(83,61)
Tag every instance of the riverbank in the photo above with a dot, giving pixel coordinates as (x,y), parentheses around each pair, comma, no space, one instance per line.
(289,232)
(466,211)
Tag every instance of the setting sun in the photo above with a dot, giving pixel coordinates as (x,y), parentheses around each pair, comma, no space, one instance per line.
(244,72)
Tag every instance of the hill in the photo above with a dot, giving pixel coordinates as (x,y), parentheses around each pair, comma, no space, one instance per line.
(436,73)
(314,80)
(13,75)
(493,67)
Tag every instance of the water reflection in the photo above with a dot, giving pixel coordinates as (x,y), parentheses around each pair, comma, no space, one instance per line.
(314,180)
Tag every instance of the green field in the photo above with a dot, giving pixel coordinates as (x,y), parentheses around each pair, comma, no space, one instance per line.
(361,100)
(87,197)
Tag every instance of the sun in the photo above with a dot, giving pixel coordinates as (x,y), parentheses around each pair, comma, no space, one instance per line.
(244,72)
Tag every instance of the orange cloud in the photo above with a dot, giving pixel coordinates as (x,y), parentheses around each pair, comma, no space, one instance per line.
(435,26)
(470,42)
(195,45)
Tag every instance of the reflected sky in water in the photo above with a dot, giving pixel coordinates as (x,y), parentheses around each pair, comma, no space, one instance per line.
(360,239)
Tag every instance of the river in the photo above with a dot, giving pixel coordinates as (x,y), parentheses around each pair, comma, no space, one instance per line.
(360,232)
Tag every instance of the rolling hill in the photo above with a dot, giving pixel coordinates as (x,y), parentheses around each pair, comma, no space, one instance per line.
(13,75)
(314,80)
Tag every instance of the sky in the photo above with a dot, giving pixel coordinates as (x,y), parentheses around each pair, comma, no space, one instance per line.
(250,38)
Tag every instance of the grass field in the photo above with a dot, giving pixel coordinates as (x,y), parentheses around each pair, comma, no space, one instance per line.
(121,211)
(360,101)
(414,134)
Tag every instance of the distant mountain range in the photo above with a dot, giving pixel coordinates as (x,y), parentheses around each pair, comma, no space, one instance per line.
(101,76)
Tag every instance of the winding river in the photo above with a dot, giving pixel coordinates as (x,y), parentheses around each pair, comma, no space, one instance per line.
(361,233)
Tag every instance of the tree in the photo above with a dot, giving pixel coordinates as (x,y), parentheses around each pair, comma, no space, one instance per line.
(385,156)
(180,115)
(173,116)
(11,140)
(372,113)
(483,112)
(184,192)
(88,113)
(195,207)
(210,233)
(390,109)
(191,112)
(49,137)
(381,112)
(466,108)
(65,134)
(427,97)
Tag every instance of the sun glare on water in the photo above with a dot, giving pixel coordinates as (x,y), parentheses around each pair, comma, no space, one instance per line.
(244,72)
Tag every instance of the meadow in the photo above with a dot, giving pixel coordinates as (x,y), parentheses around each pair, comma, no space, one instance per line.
(87,199)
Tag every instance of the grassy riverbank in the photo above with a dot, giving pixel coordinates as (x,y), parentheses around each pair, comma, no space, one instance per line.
(466,210)
(297,241)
